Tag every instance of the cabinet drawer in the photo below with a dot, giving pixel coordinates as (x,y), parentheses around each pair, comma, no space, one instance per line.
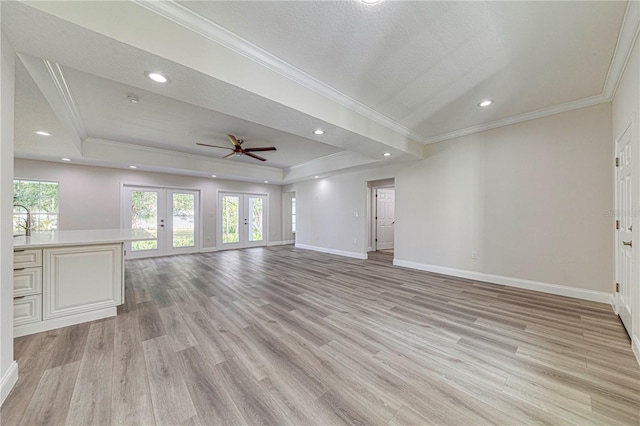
(27,258)
(27,281)
(27,309)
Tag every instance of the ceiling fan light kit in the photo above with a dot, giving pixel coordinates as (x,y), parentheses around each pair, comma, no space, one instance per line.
(238,150)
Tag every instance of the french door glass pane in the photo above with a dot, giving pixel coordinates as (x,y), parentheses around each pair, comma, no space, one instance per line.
(183,220)
(144,215)
(255,219)
(230,219)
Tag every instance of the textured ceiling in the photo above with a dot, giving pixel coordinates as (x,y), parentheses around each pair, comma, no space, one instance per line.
(377,78)
(426,65)
(162,122)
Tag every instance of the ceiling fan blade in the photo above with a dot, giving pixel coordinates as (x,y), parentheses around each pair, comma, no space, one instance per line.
(255,156)
(264,148)
(214,146)
(234,141)
(230,155)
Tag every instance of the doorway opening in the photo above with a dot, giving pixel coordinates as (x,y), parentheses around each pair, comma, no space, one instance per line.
(382,219)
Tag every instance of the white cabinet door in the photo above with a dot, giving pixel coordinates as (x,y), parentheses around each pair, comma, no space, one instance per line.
(81,279)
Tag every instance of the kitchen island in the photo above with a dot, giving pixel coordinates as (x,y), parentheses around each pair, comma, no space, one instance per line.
(62,278)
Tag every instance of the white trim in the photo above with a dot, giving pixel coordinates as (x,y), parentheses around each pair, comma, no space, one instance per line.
(353,254)
(594,296)
(8,381)
(208,249)
(557,109)
(624,48)
(50,324)
(369,249)
(198,24)
(635,347)
(280,243)
(60,83)
(202,26)
(147,150)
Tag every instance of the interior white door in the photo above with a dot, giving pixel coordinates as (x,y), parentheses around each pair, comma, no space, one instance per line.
(385,218)
(624,252)
(242,220)
(169,216)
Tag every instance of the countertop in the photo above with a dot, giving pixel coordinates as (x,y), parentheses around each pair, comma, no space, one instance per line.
(77,238)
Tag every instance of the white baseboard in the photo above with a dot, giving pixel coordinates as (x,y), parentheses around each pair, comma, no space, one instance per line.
(8,381)
(594,296)
(208,249)
(50,324)
(353,254)
(635,346)
(280,243)
(369,249)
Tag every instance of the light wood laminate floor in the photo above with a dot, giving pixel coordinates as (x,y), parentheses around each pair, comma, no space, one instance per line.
(282,336)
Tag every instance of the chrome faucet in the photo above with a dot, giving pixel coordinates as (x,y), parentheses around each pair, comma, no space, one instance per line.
(27,221)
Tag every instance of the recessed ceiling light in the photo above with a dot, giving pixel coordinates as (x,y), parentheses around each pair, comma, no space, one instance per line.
(485,103)
(213,175)
(266,181)
(41,133)
(316,177)
(318,132)
(65,159)
(133,99)
(133,167)
(386,154)
(370,1)
(157,77)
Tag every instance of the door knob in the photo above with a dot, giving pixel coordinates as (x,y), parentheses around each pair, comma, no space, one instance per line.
(628,243)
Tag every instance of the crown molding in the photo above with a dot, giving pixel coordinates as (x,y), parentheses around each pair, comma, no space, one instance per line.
(569,106)
(202,26)
(624,47)
(60,83)
(212,31)
(151,151)
(168,161)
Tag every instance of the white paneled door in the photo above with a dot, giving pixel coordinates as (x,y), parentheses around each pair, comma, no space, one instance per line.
(385,218)
(169,216)
(625,246)
(242,220)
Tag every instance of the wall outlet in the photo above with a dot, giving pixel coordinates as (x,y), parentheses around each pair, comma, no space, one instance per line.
(355,240)
(316,237)
(474,255)
(355,214)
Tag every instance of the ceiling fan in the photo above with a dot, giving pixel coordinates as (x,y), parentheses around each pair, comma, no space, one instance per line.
(238,150)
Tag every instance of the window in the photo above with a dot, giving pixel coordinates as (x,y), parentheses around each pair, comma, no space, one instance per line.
(293,215)
(41,198)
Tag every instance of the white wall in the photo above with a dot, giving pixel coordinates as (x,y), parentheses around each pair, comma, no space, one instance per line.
(532,198)
(626,107)
(327,208)
(89,197)
(287,234)
(8,367)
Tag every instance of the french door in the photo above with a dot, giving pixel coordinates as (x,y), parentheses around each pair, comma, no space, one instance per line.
(169,216)
(242,220)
